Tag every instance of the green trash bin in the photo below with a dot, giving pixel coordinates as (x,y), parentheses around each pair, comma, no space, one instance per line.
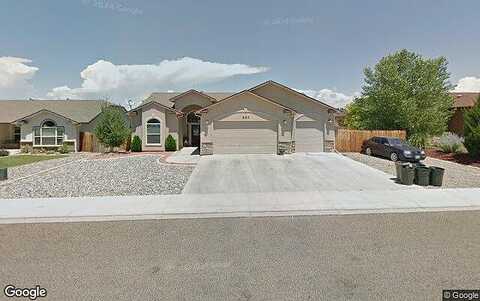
(436,175)
(407,174)
(398,168)
(422,175)
(3,174)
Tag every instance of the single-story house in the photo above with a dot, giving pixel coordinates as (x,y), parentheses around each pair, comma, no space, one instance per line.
(462,101)
(46,124)
(269,118)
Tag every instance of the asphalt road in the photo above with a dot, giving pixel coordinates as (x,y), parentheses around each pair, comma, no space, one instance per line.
(358,257)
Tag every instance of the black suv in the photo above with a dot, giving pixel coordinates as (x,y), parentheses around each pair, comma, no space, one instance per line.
(393,148)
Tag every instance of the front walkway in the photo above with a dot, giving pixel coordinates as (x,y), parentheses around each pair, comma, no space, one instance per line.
(235,205)
(187,155)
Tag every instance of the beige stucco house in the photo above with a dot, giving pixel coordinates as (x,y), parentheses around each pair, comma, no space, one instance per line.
(268,119)
(45,124)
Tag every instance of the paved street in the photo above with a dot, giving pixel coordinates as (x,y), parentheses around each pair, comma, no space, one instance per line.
(355,257)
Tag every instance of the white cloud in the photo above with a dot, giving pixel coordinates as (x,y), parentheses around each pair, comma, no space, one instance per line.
(15,76)
(335,99)
(104,79)
(468,84)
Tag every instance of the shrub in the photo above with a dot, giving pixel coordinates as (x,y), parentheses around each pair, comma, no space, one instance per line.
(450,143)
(472,129)
(3,153)
(136,145)
(128,142)
(170,144)
(64,149)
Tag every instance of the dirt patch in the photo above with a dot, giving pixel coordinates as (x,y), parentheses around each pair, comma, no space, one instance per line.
(464,159)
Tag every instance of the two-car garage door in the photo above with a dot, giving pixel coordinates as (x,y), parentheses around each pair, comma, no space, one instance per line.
(245,137)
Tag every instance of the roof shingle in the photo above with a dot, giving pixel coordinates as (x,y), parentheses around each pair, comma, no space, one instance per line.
(81,111)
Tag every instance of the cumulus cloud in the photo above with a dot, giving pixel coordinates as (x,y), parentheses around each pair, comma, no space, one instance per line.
(468,84)
(335,99)
(104,79)
(15,76)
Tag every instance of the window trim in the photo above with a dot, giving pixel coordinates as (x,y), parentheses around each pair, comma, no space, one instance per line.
(41,136)
(147,134)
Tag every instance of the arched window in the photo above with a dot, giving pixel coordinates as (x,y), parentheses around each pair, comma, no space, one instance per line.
(192,118)
(48,134)
(153,132)
(48,123)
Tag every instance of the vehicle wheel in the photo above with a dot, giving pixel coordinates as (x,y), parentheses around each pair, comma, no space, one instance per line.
(368,151)
(394,157)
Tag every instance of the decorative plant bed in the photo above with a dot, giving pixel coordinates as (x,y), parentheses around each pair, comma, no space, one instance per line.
(464,159)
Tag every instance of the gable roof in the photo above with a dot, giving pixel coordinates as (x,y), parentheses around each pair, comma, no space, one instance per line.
(81,111)
(464,99)
(165,98)
(271,82)
(249,93)
(156,103)
(43,111)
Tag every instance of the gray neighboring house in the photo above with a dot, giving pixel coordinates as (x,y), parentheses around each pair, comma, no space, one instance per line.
(269,118)
(46,124)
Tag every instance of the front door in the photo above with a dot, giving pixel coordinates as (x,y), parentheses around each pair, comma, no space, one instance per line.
(195,134)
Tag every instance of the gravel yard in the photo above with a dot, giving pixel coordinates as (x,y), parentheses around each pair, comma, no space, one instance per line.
(456,175)
(90,176)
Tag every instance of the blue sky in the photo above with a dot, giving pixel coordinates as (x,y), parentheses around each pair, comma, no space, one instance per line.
(136,47)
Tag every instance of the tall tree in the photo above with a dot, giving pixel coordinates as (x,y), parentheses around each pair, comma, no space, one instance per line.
(404,91)
(112,128)
(472,129)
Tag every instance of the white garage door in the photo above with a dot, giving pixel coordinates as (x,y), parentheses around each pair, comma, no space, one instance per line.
(309,136)
(244,137)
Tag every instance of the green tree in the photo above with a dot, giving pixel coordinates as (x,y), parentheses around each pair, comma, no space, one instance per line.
(112,129)
(471,120)
(404,91)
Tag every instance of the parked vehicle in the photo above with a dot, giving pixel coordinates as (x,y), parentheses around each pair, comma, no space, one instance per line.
(393,148)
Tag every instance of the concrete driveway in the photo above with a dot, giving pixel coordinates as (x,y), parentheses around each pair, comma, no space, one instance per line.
(297,172)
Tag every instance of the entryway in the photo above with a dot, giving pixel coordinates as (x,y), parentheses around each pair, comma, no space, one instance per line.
(193,129)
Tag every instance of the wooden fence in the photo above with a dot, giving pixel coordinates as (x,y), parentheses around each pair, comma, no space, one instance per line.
(90,143)
(352,140)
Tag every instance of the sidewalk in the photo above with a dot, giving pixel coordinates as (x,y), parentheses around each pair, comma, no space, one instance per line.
(235,205)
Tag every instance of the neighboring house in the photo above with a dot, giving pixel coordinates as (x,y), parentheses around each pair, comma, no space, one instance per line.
(46,124)
(462,101)
(269,118)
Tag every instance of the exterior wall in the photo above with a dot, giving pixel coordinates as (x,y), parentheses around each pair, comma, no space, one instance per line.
(302,106)
(455,125)
(244,108)
(71,129)
(168,124)
(191,99)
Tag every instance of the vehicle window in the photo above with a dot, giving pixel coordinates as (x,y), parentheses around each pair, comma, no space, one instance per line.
(395,141)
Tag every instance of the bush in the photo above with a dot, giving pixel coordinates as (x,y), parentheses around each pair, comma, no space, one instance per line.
(170,144)
(472,129)
(450,143)
(136,145)
(64,149)
(128,142)
(3,153)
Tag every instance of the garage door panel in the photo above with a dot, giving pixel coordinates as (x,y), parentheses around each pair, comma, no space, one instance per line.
(244,137)
(309,136)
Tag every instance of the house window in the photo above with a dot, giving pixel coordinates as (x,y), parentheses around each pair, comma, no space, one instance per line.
(16,134)
(153,132)
(48,134)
